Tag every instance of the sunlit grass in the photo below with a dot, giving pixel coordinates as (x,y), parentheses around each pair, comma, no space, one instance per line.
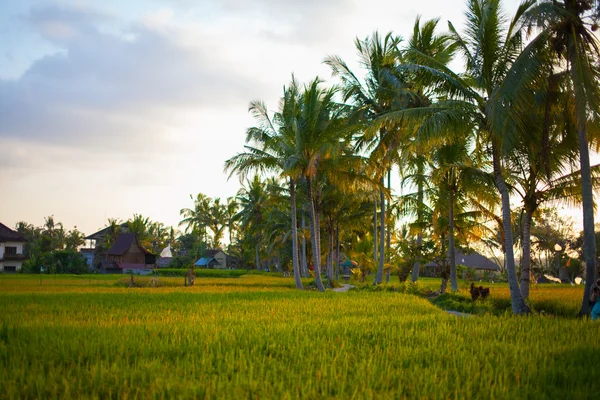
(257,337)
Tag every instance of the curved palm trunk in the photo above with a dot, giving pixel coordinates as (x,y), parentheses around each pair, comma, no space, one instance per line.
(526,256)
(587,196)
(304,264)
(295,262)
(314,238)
(451,249)
(379,276)
(518,303)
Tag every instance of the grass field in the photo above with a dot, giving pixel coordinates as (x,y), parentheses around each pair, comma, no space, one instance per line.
(256,337)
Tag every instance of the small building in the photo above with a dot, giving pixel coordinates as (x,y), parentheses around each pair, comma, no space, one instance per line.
(12,244)
(472,260)
(127,256)
(346,268)
(216,259)
(88,254)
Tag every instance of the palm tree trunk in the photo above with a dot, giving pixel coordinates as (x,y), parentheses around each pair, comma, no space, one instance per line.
(256,257)
(337,252)
(330,255)
(379,276)
(451,249)
(417,265)
(305,273)
(389,228)
(314,238)
(587,197)
(295,262)
(375,231)
(518,303)
(444,284)
(526,256)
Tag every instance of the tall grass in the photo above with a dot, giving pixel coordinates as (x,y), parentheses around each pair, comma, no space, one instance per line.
(257,337)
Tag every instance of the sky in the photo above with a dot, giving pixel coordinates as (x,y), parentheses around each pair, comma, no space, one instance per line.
(110,108)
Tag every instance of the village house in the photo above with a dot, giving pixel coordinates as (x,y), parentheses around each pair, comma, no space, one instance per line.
(11,249)
(94,251)
(473,260)
(216,259)
(127,256)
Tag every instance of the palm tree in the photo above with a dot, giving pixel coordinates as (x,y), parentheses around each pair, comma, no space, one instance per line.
(231,210)
(216,221)
(438,47)
(269,148)
(381,91)
(320,127)
(569,26)
(139,226)
(541,168)
(463,181)
(252,201)
(195,218)
(472,103)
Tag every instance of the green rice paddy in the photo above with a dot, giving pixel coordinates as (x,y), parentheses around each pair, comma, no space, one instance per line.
(257,337)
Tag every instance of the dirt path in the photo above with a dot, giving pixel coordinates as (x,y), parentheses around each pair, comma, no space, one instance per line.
(345,287)
(459,314)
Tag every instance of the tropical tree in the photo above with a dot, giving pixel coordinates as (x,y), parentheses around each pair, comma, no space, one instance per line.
(231,210)
(380,91)
(194,219)
(439,47)
(320,143)
(269,148)
(569,26)
(476,102)
(462,183)
(252,200)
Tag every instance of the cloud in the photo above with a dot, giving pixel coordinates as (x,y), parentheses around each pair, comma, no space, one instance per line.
(113,91)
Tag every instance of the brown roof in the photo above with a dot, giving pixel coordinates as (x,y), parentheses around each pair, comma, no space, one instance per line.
(472,260)
(8,235)
(211,253)
(123,243)
(102,232)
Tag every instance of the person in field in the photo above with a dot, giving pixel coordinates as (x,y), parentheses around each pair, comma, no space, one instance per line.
(595,301)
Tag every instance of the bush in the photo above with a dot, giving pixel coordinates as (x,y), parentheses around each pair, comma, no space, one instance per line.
(462,303)
(203,273)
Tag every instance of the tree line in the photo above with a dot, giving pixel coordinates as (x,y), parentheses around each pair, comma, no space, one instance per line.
(517,123)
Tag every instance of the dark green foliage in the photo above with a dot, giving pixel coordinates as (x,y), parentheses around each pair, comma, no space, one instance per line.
(203,273)
(462,303)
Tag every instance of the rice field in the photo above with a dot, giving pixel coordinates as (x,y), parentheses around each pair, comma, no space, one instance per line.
(257,337)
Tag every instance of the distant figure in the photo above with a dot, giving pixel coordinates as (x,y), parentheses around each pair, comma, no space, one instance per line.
(190,277)
(594,301)
(478,292)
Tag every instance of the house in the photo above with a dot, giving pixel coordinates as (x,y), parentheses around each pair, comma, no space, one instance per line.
(11,249)
(127,256)
(94,248)
(216,259)
(88,254)
(472,260)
